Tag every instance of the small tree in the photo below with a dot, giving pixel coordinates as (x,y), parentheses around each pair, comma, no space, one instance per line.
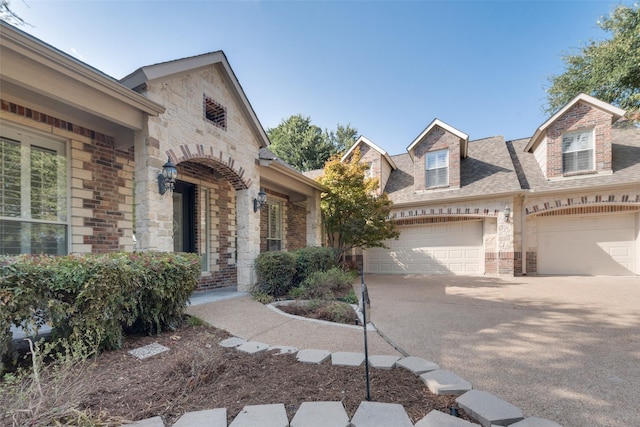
(607,69)
(353,214)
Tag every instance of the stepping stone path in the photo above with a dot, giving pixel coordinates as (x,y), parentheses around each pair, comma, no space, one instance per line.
(483,407)
(148,350)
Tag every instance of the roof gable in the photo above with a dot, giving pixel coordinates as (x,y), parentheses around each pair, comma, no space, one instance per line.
(439,123)
(539,134)
(163,70)
(362,140)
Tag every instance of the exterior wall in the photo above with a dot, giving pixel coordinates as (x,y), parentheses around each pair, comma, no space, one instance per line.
(437,139)
(369,155)
(540,153)
(580,116)
(385,173)
(183,134)
(100,181)
(294,223)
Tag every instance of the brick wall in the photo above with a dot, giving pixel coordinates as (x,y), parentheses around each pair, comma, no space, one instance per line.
(580,116)
(437,139)
(101,180)
(296,226)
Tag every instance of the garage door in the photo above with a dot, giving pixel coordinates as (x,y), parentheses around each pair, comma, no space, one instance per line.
(595,245)
(454,248)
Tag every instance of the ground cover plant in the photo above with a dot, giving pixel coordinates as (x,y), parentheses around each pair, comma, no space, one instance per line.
(113,387)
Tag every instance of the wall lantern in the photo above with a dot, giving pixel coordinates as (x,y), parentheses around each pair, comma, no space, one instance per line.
(167,179)
(507,213)
(260,201)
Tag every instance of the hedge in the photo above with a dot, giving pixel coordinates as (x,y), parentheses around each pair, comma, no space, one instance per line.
(96,298)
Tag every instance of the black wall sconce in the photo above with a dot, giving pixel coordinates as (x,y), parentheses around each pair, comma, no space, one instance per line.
(260,201)
(167,179)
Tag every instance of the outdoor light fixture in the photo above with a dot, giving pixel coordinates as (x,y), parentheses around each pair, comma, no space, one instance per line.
(167,179)
(507,213)
(260,201)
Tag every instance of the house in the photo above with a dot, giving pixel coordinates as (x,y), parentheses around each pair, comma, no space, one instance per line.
(81,155)
(565,201)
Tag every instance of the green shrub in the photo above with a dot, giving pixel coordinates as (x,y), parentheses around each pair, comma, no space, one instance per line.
(275,272)
(328,284)
(312,259)
(94,298)
(337,311)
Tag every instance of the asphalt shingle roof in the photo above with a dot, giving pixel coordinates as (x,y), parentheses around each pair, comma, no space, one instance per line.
(487,169)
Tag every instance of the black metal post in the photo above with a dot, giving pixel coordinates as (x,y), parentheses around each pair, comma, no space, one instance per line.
(365,300)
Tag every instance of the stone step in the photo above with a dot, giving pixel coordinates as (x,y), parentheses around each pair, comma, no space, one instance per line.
(488,409)
(321,414)
(440,419)
(273,415)
(417,365)
(445,382)
(383,362)
(345,358)
(253,347)
(313,356)
(376,414)
(149,422)
(207,418)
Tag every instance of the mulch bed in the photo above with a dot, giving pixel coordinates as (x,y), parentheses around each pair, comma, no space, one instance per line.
(197,374)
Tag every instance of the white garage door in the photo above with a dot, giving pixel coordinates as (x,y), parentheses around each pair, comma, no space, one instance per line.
(594,245)
(454,248)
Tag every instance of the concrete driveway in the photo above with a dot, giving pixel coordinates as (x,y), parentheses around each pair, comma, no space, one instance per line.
(562,348)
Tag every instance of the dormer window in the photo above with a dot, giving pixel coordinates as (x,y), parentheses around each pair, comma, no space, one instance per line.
(368,172)
(577,152)
(437,164)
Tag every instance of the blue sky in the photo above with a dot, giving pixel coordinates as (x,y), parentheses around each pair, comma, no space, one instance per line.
(386,68)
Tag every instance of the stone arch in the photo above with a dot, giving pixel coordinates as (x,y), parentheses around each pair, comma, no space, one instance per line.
(223,164)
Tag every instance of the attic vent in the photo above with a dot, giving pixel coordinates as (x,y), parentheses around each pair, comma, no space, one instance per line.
(215,113)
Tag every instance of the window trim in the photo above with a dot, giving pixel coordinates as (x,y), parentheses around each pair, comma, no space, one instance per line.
(435,153)
(279,228)
(27,138)
(592,160)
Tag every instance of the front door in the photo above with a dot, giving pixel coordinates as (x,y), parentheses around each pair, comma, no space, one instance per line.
(184,217)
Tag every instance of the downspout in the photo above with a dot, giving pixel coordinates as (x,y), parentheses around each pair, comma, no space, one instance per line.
(523,230)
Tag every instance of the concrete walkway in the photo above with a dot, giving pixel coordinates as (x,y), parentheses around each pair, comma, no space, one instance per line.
(562,348)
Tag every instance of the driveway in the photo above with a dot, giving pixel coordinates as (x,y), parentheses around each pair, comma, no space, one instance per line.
(562,348)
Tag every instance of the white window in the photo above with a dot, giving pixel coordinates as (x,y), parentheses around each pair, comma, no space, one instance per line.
(577,152)
(368,172)
(274,226)
(33,194)
(437,168)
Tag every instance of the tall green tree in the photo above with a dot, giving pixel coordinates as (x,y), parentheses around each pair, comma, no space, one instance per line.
(343,137)
(606,69)
(300,143)
(353,214)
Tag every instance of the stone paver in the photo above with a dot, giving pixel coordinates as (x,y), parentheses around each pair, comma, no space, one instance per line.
(440,419)
(253,347)
(321,414)
(273,415)
(282,349)
(149,422)
(313,356)
(383,362)
(148,351)
(346,358)
(376,414)
(488,409)
(207,418)
(417,365)
(535,422)
(232,342)
(445,382)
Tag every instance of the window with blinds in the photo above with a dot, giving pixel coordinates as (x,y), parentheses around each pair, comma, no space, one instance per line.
(577,152)
(437,165)
(33,195)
